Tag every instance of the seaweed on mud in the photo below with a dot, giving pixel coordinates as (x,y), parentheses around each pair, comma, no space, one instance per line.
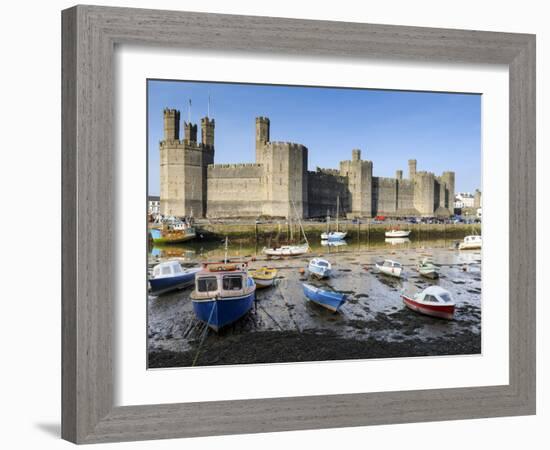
(293,346)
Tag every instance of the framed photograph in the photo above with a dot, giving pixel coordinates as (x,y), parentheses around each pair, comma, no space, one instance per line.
(279,224)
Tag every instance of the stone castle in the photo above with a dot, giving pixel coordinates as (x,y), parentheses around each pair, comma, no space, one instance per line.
(279,183)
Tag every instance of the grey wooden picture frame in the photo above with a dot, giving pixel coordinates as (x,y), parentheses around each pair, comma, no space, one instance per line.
(89,37)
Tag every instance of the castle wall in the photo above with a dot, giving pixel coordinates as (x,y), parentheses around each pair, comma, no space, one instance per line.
(384,196)
(405,198)
(235,190)
(324,187)
(279,184)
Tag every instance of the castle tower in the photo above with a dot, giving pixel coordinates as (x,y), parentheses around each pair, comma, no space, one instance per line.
(424,193)
(262,137)
(189,133)
(171,124)
(183,166)
(398,175)
(207,132)
(285,168)
(359,174)
(412,168)
(477,199)
(449,179)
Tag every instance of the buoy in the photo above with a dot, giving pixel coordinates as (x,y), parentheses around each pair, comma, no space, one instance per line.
(302,270)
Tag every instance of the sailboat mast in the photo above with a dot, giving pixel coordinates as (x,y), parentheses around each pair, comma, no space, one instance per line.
(337,212)
(300,222)
(225,257)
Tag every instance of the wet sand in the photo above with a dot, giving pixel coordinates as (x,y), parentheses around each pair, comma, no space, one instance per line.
(284,327)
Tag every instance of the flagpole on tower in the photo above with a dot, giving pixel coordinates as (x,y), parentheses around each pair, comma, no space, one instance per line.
(208,115)
(189,112)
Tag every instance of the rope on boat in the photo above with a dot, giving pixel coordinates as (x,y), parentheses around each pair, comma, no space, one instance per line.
(204,335)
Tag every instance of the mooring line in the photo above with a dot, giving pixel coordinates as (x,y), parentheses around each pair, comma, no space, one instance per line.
(204,335)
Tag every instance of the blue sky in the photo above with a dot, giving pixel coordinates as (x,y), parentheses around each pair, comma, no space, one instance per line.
(441,131)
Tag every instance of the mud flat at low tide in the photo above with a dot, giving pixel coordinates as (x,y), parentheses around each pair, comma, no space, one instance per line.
(284,327)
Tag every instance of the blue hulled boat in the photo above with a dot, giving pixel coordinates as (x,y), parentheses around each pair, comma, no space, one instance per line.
(328,299)
(320,267)
(169,275)
(224,292)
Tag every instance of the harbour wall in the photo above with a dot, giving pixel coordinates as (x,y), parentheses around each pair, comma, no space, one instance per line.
(313,230)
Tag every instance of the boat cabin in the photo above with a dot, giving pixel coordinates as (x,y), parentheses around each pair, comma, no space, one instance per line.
(389,263)
(167,269)
(435,295)
(221,279)
(472,239)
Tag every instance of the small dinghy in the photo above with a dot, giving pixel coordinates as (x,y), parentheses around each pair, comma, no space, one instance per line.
(263,277)
(433,301)
(397,233)
(389,267)
(320,267)
(169,275)
(470,243)
(327,299)
(428,269)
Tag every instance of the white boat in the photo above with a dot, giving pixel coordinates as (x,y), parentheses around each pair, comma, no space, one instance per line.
(320,267)
(428,269)
(290,250)
(391,268)
(398,233)
(433,301)
(287,250)
(470,243)
(334,235)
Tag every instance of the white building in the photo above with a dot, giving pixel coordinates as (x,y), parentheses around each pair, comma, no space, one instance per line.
(464,200)
(153,205)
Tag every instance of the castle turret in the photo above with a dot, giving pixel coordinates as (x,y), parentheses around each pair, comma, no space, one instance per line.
(189,133)
(477,199)
(262,137)
(398,175)
(424,193)
(359,174)
(171,124)
(412,168)
(207,132)
(449,179)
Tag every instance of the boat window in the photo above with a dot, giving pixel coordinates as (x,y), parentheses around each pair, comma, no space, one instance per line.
(430,298)
(165,270)
(446,297)
(232,283)
(176,268)
(207,284)
(322,263)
